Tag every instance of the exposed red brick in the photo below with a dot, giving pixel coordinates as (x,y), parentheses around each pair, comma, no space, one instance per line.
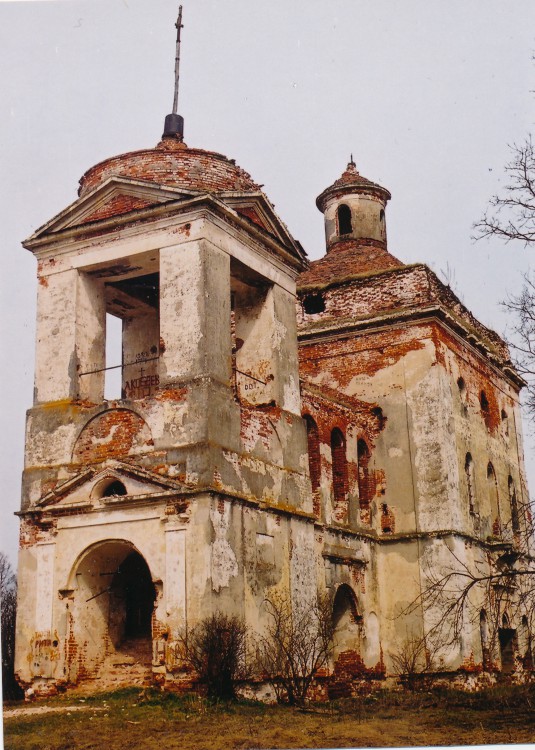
(173,163)
(119,204)
(110,435)
(349,258)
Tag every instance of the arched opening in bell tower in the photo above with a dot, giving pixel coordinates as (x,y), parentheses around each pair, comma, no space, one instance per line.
(110,611)
(345,224)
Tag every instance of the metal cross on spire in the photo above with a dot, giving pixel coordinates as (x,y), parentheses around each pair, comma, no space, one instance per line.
(179,25)
(174,123)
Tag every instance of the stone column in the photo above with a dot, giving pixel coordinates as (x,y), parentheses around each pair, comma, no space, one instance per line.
(195,313)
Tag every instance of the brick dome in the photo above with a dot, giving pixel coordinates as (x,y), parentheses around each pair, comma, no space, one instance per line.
(173,163)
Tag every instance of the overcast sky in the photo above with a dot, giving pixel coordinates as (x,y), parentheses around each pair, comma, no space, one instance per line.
(426,94)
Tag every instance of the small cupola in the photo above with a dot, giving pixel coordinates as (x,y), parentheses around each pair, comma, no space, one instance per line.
(354,210)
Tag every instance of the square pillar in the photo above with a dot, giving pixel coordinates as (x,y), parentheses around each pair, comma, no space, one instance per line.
(195,313)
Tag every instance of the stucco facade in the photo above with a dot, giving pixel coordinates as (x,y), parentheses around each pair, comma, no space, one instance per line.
(283,427)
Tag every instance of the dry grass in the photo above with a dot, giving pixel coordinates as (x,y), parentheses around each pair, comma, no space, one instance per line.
(149,720)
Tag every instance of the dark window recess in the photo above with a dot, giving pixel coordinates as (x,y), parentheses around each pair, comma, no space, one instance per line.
(378,414)
(485,408)
(313,304)
(344,220)
(469,472)
(314,458)
(365,481)
(461,385)
(515,519)
(114,488)
(339,465)
(507,640)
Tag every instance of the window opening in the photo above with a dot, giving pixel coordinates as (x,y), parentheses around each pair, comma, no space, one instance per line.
(339,465)
(485,408)
(314,458)
(461,385)
(313,304)
(113,371)
(363,477)
(344,219)
(470,485)
(114,488)
(505,422)
(382,223)
(379,415)
(515,520)
(494,502)
(507,637)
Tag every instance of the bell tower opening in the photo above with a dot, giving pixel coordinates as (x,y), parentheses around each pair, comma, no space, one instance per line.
(113,599)
(118,338)
(133,588)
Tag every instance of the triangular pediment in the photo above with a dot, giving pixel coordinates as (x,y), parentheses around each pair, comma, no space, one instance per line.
(119,197)
(259,211)
(115,197)
(116,482)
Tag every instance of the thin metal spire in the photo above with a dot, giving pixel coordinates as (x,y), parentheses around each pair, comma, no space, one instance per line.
(179,25)
(174,123)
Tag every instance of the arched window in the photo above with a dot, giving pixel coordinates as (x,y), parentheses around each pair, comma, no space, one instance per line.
(515,520)
(470,484)
(339,465)
(366,492)
(505,422)
(314,458)
(485,408)
(382,223)
(461,385)
(345,225)
(507,637)
(115,487)
(494,503)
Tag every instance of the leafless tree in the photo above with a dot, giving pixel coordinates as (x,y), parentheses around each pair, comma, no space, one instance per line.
(489,594)
(8,608)
(414,656)
(522,309)
(297,644)
(511,215)
(216,649)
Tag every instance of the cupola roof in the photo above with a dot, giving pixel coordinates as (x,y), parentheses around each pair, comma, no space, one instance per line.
(351,181)
(173,163)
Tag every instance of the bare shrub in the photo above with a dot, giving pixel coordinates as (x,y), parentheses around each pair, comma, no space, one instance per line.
(412,658)
(216,650)
(295,647)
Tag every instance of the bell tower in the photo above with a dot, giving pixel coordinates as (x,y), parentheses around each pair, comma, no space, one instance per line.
(193,479)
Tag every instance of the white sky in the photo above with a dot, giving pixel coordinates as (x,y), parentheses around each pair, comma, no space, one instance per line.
(426,94)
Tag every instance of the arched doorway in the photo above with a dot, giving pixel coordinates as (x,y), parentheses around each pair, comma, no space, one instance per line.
(347,622)
(111,611)
(507,640)
(132,586)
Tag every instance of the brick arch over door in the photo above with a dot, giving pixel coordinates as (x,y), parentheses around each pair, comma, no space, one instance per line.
(112,434)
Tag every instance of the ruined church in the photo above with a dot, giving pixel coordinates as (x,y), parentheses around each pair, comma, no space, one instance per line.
(342,427)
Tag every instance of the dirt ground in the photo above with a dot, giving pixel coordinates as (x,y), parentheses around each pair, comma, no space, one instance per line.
(150,720)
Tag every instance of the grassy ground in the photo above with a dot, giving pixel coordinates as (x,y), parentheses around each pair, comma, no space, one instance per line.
(150,720)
